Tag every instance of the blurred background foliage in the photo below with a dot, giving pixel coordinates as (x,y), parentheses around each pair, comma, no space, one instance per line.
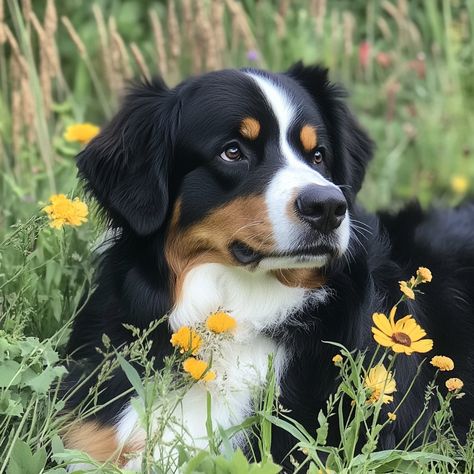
(409,66)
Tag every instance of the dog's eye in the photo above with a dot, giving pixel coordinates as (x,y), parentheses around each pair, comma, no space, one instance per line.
(231,153)
(318,156)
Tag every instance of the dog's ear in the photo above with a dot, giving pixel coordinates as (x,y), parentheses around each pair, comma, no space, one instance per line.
(126,166)
(352,146)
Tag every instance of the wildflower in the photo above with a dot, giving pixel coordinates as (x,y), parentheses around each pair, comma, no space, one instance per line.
(381,384)
(391,416)
(459,184)
(423,275)
(365,51)
(64,211)
(454,384)
(442,363)
(81,132)
(406,289)
(404,335)
(198,369)
(253,55)
(220,321)
(337,359)
(186,339)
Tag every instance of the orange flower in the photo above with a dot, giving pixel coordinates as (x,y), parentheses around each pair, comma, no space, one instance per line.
(454,384)
(442,363)
(81,132)
(198,369)
(64,211)
(220,322)
(424,275)
(186,339)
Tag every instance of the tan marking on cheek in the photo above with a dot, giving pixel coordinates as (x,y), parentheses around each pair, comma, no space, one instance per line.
(100,442)
(250,128)
(301,277)
(244,219)
(308,137)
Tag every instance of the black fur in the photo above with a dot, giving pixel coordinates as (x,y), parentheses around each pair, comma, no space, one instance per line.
(144,160)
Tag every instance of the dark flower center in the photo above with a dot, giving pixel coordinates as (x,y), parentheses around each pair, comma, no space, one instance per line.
(401,338)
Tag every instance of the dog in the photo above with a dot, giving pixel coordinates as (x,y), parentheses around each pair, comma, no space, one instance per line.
(237,189)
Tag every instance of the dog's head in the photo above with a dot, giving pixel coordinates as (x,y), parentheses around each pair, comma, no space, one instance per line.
(244,168)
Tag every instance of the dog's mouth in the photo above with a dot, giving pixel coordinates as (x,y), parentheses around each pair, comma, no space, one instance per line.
(302,257)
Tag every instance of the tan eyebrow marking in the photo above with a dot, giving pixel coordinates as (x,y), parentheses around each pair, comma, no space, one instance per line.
(308,137)
(250,128)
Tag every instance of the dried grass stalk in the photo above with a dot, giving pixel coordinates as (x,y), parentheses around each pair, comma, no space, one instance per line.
(119,53)
(159,41)
(205,36)
(105,49)
(348,21)
(3,37)
(174,34)
(140,60)
(318,12)
(217,21)
(240,18)
(76,39)
(190,34)
(16,108)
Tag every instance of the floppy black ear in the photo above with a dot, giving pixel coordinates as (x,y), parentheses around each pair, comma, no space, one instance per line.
(126,166)
(352,146)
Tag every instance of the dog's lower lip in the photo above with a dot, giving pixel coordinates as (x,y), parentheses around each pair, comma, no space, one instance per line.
(246,255)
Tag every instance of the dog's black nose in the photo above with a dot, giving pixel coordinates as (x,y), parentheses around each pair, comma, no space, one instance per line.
(323,207)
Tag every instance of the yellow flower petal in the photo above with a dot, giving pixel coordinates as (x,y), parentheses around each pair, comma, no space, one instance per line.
(442,363)
(220,322)
(454,384)
(382,338)
(81,132)
(382,322)
(425,345)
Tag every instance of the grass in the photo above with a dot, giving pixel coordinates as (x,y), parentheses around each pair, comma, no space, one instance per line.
(409,68)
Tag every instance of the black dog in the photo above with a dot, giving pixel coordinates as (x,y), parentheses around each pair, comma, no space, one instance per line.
(236,190)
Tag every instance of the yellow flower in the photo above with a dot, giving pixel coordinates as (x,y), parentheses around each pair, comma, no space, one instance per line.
(442,363)
(198,369)
(64,211)
(424,275)
(404,335)
(454,384)
(406,289)
(391,416)
(220,321)
(459,184)
(381,384)
(337,359)
(186,339)
(81,132)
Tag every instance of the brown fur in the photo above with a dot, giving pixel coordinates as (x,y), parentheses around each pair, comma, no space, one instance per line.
(301,277)
(250,128)
(244,219)
(308,137)
(100,442)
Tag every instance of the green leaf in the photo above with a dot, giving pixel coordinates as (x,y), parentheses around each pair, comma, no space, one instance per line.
(132,375)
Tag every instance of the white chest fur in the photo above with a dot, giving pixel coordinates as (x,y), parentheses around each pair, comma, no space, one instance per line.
(258,302)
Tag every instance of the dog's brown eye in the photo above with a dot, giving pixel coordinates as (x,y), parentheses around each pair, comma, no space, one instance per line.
(318,156)
(231,153)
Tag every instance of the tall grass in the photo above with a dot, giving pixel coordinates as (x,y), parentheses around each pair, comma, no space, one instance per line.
(409,67)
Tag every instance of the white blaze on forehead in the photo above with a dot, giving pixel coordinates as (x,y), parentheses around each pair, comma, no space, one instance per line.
(294,174)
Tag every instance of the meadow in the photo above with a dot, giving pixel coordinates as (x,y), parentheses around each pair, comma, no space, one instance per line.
(409,68)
